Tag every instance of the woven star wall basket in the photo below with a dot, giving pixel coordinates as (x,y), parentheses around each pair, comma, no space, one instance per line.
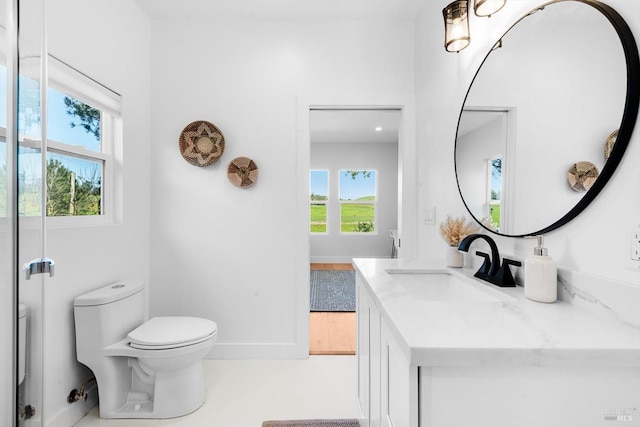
(201,143)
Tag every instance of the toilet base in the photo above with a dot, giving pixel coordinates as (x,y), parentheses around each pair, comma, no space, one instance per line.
(173,393)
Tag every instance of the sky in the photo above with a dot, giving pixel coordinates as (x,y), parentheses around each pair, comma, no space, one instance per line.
(350,189)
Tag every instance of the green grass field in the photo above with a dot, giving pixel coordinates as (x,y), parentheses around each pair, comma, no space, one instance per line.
(318,219)
(350,215)
(495,214)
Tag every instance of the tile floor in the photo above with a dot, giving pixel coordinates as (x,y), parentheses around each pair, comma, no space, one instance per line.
(243,393)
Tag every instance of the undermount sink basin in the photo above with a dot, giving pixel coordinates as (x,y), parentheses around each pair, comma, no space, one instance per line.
(442,286)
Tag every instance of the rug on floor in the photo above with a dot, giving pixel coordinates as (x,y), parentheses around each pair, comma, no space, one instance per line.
(313,423)
(333,290)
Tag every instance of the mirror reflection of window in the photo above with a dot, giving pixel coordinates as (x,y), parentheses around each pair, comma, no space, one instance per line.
(495,196)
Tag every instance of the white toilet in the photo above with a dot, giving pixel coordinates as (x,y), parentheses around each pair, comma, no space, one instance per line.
(144,369)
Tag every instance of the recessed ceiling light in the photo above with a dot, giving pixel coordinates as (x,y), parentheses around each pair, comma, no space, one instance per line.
(378,129)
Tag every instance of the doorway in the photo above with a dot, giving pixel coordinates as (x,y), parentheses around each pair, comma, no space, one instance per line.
(485,155)
(353,211)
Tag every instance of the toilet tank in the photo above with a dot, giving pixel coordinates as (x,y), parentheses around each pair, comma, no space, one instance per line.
(106,315)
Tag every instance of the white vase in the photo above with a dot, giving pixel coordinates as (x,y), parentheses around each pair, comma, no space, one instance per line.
(454,257)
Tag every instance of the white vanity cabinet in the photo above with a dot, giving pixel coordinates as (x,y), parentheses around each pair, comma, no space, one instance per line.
(504,364)
(387,384)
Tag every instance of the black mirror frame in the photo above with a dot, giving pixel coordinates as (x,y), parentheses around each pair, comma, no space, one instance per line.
(627,125)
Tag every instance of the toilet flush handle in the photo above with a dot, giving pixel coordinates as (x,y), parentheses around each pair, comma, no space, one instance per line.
(39,266)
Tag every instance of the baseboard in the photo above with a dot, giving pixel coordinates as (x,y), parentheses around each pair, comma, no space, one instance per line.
(75,411)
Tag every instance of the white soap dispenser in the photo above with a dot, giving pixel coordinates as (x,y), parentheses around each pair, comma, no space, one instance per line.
(540,275)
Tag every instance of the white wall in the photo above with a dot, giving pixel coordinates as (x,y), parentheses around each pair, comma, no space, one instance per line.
(232,254)
(334,157)
(597,241)
(108,41)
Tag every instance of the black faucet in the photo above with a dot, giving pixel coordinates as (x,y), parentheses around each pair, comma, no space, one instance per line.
(491,271)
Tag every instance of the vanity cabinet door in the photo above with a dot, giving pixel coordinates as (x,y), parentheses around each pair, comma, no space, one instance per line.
(368,353)
(399,384)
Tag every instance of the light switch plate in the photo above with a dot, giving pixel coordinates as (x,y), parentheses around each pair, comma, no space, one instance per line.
(430,215)
(635,245)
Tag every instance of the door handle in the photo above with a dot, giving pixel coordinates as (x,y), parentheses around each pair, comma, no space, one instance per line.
(39,266)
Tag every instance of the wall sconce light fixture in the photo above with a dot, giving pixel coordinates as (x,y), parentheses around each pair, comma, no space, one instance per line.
(456,26)
(456,21)
(487,7)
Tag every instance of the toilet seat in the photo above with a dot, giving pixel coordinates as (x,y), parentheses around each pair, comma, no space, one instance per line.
(160,333)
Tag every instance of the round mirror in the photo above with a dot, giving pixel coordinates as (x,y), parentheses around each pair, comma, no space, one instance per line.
(548,117)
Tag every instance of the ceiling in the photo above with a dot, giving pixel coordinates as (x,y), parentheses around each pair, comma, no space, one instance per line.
(350,126)
(281,9)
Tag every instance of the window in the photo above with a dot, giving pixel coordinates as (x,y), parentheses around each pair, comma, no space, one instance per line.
(82,125)
(358,201)
(318,198)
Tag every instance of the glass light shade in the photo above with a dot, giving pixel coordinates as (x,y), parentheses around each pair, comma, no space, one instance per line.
(487,7)
(456,26)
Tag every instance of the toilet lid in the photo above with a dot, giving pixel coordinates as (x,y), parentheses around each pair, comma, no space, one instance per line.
(170,332)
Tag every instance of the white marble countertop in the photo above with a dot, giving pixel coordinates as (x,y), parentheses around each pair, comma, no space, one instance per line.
(512,332)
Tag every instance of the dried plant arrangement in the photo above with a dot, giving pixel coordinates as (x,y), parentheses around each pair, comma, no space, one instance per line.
(453,230)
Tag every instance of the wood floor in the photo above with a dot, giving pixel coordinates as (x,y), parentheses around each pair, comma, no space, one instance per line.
(332,332)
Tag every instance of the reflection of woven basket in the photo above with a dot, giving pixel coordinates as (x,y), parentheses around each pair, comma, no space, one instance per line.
(582,175)
(242,172)
(201,143)
(609,143)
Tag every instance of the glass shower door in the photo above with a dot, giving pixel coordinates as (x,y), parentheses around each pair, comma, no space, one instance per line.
(8,234)
(31,206)
(22,216)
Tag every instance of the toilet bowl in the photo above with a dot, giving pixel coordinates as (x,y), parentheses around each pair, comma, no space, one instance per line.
(144,369)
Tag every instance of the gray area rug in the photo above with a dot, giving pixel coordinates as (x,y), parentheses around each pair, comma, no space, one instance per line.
(333,290)
(313,423)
